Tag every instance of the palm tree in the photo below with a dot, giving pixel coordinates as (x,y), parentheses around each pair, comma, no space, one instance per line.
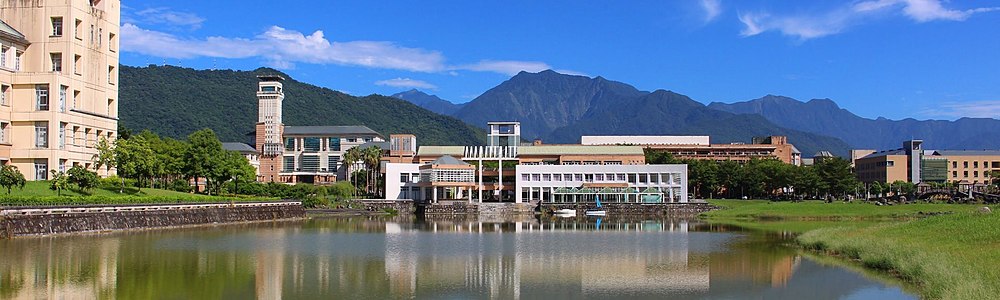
(351,157)
(372,158)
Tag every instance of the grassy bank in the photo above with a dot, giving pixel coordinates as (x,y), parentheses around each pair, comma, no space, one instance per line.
(950,256)
(819,210)
(38,193)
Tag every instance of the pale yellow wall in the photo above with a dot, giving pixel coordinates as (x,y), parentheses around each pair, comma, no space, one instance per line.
(976,171)
(95,108)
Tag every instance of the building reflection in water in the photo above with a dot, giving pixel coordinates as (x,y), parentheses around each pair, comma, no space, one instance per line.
(396,258)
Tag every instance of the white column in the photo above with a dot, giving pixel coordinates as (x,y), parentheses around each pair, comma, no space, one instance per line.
(480,186)
(434,192)
(500,178)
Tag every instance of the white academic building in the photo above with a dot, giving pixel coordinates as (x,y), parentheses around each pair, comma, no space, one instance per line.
(507,171)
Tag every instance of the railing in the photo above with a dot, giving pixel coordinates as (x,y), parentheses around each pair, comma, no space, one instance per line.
(490,152)
(45,210)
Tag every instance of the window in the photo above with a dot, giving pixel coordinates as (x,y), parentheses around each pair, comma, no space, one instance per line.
(965,174)
(310,163)
(41,97)
(111,74)
(111,42)
(73,136)
(62,135)
(975,164)
(41,170)
(86,138)
(17,60)
(57,26)
(41,135)
(290,144)
(4,127)
(954,173)
(546,177)
(332,163)
(334,144)
(556,177)
(62,165)
(3,56)
(76,95)
(954,164)
(975,174)
(352,140)
(965,164)
(525,177)
(535,177)
(4,90)
(77,29)
(62,98)
(311,144)
(56,62)
(100,34)
(77,68)
(289,164)
(91,34)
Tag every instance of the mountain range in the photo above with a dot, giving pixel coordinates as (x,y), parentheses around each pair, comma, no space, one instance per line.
(558,108)
(174,102)
(429,102)
(554,107)
(823,116)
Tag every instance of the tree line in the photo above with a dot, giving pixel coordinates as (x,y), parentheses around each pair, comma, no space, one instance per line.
(765,178)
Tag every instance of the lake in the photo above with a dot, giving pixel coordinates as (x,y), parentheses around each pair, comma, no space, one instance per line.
(406,257)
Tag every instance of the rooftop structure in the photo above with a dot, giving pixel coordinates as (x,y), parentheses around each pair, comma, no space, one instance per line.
(645,140)
(776,147)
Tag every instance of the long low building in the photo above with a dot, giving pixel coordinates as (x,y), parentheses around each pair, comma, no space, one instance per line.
(699,147)
(912,163)
(504,171)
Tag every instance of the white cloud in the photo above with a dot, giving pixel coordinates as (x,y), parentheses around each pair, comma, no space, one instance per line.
(712,9)
(808,26)
(975,109)
(406,83)
(283,48)
(163,15)
(508,67)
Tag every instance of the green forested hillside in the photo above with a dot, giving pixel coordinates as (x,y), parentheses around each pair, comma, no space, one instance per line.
(175,102)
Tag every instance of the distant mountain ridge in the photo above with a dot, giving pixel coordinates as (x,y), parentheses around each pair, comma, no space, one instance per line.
(824,116)
(175,101)
(559,108)
(429,102)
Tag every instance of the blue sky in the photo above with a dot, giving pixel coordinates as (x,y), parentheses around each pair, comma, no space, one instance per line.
(924,59)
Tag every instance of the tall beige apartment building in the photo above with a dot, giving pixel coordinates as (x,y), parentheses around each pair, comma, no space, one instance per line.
(58,78)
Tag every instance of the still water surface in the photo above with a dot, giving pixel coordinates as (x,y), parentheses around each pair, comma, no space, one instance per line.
(402,257)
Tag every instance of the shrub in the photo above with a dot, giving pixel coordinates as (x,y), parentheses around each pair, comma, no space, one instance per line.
(180,185)
(83,178)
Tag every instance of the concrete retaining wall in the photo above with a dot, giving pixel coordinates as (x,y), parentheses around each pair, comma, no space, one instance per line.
(51,220)
(402,207)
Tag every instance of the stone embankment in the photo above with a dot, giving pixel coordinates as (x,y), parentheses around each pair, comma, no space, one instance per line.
(24,221)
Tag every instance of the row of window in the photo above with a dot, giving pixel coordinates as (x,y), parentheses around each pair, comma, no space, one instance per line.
(56,61)
(975,174)
(79,136)
(43,99)
(310,163)
(96,33)
(5,60)
(975,165)
(315,144)
(606,177)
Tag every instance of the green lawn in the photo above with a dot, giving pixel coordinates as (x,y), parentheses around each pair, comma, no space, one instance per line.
(39,193)
(948,256)
(819,210)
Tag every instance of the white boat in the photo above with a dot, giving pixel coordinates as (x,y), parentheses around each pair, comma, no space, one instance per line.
(597,212)
(565,212)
